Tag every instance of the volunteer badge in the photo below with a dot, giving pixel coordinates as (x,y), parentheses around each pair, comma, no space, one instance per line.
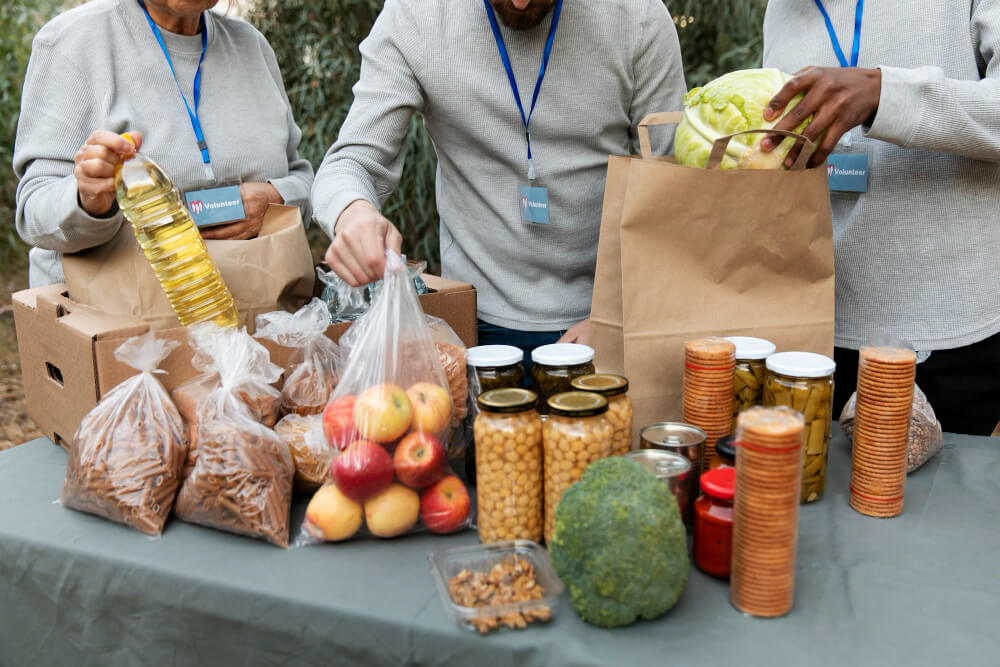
(535,205)
(215,206)
(848,172)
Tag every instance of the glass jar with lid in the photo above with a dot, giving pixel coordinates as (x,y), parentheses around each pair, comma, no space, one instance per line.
(713,522)
(508,434)
(556,366)
(748,383)
(725,451)
(497,366)
(575,434)
(615,389)
(803,381)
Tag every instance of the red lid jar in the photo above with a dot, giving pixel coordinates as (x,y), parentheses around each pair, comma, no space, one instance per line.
(713,522)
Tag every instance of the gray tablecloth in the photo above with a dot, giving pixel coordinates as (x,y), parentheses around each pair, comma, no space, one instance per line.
(920,589)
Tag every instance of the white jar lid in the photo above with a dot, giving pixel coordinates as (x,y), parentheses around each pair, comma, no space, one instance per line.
(801,364)
(748,347)
(494,356)
(562,354)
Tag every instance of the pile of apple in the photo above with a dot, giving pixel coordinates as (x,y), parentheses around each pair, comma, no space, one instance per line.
(392,470)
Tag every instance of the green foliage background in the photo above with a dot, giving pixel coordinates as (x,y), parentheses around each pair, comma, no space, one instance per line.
(316,42)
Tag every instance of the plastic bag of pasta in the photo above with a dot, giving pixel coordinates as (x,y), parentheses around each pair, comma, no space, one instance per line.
(311,371)
(126,456)
(925,438)
(390,417)
(254,386)
(242,478)
(310,451)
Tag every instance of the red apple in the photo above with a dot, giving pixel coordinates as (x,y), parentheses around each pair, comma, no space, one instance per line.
(362,470)
(431,407)
(383,413)
(444,507)
(338,422)
(419,460)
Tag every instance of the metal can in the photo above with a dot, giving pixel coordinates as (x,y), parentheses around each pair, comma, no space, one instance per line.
(685,440)
(673,470)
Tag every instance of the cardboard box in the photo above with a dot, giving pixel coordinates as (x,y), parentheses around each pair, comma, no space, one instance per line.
(67,349)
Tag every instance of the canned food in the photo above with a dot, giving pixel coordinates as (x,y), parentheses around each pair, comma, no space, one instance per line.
(685,440)
(672,469)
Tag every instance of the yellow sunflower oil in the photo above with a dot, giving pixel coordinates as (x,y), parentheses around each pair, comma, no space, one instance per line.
(172,243)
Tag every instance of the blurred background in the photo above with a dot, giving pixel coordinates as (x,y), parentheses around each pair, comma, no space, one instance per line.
(316,42)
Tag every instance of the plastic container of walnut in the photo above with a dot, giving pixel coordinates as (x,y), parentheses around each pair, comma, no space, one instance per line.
(486,587)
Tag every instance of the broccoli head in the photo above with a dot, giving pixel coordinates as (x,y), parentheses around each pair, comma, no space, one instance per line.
(619,544)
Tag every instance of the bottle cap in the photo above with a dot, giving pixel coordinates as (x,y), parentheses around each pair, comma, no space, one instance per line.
(719,483)
(801,364)
(601,383)
(750,348)
(578,404)
(562,354)
(507,400)
(494,356)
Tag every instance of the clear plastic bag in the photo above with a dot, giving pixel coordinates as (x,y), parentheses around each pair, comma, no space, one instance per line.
(312,454)
(242,477)
(452,353)
(126,457)
(392,411)
(254,387)
(347,303)
(925,439)
(311,372)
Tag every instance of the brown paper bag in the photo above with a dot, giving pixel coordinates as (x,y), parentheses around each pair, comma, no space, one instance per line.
(271,272)
(686,253)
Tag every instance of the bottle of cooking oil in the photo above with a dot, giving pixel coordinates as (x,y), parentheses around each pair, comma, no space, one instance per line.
(172,243)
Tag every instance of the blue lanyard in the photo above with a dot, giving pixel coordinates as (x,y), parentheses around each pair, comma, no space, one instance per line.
(526,120)
(193,115)
(855,48)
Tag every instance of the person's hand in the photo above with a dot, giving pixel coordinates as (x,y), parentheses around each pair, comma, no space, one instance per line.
(361,237)
(578,333)
(256,197)
(94,169)
(838,98)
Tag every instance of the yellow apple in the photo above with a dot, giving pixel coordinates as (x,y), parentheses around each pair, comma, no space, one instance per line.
(431,407)
(383,413)
(331,515)
(393,511)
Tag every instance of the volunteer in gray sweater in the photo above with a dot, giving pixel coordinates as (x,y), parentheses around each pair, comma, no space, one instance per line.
(98,70)
(918,252)
(527,241)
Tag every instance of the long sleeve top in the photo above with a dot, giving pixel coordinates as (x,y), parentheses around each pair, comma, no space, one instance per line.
(918,254)
(98,66)
(612,62)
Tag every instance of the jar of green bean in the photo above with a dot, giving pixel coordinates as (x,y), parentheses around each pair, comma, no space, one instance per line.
(803,381)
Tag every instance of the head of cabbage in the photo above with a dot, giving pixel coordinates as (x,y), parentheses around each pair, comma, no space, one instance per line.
(733,103)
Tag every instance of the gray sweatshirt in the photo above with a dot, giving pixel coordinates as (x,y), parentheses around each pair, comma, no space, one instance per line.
(613,61)
(99,67)
(918,255)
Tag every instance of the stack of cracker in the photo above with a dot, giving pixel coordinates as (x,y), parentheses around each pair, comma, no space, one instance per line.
(882,425)
(708,390)
(766,510)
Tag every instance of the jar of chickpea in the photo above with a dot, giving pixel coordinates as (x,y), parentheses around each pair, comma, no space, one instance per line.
(615,389)
(508,434)
(576,433)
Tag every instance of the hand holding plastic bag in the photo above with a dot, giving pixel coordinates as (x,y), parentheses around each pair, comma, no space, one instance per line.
(126,457)
(390,415)
(242,479)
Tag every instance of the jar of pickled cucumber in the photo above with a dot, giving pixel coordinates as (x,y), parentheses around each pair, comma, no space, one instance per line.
(803,381)
(509,487)
(576,433)
(615,389)
(497,366)
(748,384)
(556,366)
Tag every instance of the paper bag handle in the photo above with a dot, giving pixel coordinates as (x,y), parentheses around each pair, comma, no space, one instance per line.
(662,118)
(719,148)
